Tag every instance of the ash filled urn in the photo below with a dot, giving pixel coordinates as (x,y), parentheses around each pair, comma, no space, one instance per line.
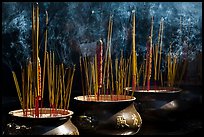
(56,123)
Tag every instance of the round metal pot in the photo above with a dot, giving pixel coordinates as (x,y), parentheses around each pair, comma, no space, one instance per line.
(156,105)
(106,115)
(25,123)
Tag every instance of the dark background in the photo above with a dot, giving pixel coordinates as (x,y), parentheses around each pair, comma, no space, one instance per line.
(71,25)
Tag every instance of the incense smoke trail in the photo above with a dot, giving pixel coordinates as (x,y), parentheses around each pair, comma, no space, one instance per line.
(74,26)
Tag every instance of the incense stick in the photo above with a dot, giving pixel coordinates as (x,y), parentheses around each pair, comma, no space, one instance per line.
(133,56)
(82,79)
(36,57)
(45,35)
(129,70)
(160,46)
(99,53)
(23,90)
(112,80)
(96,75)
(150,57)
(71,81)
(18,89)
(157,47)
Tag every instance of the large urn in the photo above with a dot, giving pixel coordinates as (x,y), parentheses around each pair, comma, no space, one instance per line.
(106,115)
(157,104)
(49,122)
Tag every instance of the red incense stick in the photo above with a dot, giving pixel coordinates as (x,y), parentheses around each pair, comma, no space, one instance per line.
(99,52)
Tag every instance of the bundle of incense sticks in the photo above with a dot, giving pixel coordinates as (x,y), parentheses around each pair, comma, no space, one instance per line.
(156,49)
(148,67)
(92,72)
(59,91)
(122,66)
(111,85)
(116,82)
(107,60)
(87,69)
(32,85)
(45,49)
(183,66)
(171,68)
(35,57)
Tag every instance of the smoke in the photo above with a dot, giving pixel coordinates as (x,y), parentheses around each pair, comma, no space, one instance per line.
(74,26)
(183,25)
(16,29)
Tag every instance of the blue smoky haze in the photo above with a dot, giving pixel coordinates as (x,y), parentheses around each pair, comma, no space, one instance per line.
(75,27)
